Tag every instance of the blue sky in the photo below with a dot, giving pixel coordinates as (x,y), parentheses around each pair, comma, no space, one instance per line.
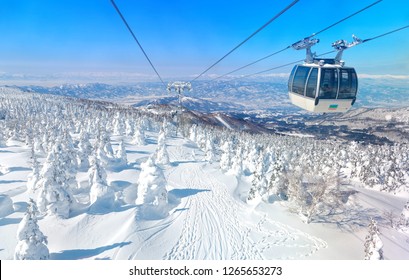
(184,37)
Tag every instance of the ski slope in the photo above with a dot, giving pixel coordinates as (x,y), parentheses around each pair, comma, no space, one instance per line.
(208,218)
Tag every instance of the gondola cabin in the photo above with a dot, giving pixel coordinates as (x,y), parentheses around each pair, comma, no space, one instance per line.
(323,86)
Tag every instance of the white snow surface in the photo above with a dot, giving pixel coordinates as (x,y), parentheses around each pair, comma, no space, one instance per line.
(6,205)
(204,215)
(207,218)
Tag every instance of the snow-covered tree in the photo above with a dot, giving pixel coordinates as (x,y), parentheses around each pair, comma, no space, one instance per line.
(162,156)
(404,218)
(259,183)
(32,243)
(34,176)
(251,156)
(84,150)
(102,155)
(278,185)
(237,162)
(226,157)
(254,196)
(129,127)
(390,217)
(119,126)
(101,195)
(209,150)
(105,144)
(53,197)
(2,142)
(121,154)
(193,133)
(373,243)
(138,137)
(37,145)
(312,195)
(68,153)
(151,192)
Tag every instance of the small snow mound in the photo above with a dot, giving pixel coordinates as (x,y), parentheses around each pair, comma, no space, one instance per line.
(101,196)
(6,205)
(388,117)
(3,170)
(253,202)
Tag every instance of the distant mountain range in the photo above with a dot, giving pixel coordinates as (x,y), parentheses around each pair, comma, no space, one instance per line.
(228,95)
(380,115)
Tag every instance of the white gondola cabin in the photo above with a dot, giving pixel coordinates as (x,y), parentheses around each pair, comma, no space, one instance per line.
(323,85)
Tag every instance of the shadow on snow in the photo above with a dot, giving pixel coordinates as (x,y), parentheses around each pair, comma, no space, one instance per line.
(181,193)
(78,254)
(9,221)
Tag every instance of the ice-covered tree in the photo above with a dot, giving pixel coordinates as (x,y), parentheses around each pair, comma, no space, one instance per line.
(129,127)
(193,133)
(226,157)
(259,183)
(105,143)
(162,156)
(278,184)
(373,243)
(121,154)
(84,150)
(237,162)
(66,161)
(251,156)
(119,126)
(53,197)
(403,222)
(32,243)
(68,153)
(254,196)
(37,145)
(151,192)
(101,195)
(34,176)
(2,141)
(313,195)
(209,150)
(165,127)
(138,137)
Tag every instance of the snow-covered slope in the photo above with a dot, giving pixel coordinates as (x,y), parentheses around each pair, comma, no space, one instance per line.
(264,94)
(191,103)
(208,214)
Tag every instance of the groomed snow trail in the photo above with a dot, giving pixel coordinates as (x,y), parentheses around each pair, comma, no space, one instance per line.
(211,228)
(218,226)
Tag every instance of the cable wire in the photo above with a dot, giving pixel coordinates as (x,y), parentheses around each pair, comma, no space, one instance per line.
(332,25)
(312,35)
(247,65)
(298,61)
(248,38)
(384,34)
(136,40)
(284,65)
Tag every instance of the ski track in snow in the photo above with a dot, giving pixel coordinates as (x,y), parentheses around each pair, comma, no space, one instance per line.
(212,228)
(208,223)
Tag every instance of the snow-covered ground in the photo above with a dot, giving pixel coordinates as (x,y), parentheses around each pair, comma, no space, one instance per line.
(207,219)
(196,205)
